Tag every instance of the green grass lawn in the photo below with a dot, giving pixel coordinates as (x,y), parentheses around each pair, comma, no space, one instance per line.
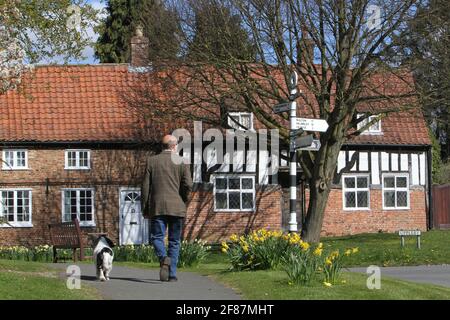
(384,249)
(20,280)
(377,249)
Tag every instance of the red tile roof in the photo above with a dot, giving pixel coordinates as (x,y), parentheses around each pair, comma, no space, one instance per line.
(86,104)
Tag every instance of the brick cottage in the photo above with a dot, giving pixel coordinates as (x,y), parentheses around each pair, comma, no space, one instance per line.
(72,148)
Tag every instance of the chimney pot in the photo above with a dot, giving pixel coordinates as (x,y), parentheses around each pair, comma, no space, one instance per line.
(139,48)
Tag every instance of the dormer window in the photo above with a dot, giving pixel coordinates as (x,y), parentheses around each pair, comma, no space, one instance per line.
(14,159)
(240,120)
(78,159)
(375,128)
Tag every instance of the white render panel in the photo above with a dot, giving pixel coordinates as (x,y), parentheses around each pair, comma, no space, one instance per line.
(284,163)
(394,161)
(404,166)
(238,161)
(263,171)
(341,160)
(375,172)
(350,155)
(422,165)
(251,160)
(414,169)
(385,161)
(363,161)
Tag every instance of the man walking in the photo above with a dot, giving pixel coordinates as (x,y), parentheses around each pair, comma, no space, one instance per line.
(165,191)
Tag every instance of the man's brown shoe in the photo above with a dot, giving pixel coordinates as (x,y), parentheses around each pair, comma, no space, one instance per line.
(164,271)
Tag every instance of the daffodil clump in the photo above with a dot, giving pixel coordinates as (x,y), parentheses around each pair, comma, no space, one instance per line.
(301,260)
(193,253)
(263,249)
(42,253)
(333,264)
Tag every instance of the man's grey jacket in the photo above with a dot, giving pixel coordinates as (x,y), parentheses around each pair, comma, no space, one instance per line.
(166,186)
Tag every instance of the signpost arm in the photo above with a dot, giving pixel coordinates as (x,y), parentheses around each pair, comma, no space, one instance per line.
(293,157)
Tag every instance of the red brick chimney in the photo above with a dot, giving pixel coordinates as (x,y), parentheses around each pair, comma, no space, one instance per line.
(306,48)
(139,48)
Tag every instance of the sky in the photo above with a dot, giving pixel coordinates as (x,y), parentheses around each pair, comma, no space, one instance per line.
(88,53)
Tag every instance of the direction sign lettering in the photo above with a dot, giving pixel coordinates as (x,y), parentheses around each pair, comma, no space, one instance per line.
(319,125)
(315,146)
(282,107)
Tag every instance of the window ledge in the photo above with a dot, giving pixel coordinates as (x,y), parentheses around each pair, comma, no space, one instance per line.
(77,168)
(356,209)
(16,225)
(233,211)
(87,225)
(14,169)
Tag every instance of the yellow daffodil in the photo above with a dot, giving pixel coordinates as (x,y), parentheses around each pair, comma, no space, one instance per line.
(348,252)
(328,261)
(327,284)
(355,250)
(225,245)
(304,245)
(224,250)
(234,238)
(318,251)
(245,248)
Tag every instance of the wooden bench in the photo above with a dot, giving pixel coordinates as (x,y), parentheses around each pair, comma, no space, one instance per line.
(66,235)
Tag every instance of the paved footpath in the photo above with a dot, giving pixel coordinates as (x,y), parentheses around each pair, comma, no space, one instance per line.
(436,274)
(143,284)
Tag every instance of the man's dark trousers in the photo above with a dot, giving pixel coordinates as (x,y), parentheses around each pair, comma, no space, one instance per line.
(157,234)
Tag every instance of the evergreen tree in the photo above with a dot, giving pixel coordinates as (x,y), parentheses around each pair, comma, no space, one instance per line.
(159,24)
(218,34)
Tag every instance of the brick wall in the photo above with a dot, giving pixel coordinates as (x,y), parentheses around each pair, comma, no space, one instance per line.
(46,176)
(112,169)
(204,223)
(345,222)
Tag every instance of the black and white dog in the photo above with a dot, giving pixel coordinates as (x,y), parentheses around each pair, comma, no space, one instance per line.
(103,257)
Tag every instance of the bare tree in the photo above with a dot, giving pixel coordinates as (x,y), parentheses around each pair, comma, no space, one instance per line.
(338,49)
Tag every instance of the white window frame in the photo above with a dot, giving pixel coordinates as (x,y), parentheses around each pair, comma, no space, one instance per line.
(369,130)
(77,159)
(17,224)
(232,124)
(6,166)
(355,190)
(240,176)
(395,189)
(82,223)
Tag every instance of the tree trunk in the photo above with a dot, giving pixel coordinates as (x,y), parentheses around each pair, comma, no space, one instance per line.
(320,186)
(318,200)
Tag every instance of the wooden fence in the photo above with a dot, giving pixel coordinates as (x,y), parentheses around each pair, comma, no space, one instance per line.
(441,206)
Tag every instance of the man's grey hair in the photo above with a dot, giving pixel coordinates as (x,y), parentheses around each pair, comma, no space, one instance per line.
(168,142)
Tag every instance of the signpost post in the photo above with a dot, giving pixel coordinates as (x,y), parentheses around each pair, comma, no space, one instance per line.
(296,127)
(293,155)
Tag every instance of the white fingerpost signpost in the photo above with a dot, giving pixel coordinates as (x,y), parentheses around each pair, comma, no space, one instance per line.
(293,155)
(296,127)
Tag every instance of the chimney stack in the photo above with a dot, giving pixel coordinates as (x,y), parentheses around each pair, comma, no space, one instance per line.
(306,49)
(139,48)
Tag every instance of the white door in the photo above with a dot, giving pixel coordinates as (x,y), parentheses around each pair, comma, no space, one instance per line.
(133,227)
